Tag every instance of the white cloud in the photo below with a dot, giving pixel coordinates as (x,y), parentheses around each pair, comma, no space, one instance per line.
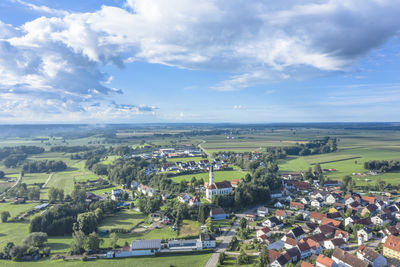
(60,58)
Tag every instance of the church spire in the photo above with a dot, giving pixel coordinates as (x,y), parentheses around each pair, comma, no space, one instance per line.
(211,175)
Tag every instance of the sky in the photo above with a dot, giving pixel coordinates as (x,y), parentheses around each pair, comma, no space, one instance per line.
(239,61)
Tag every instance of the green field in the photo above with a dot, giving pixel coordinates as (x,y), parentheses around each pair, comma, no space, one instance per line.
(186,159)
(125,219)
(166,261)
(218,176)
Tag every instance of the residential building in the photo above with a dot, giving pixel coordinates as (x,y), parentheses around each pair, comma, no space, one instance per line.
(218,214)
(371,256)
(262,211)
(208,241)
(280,214)
(335,243)
(365,233)
(323,261)
(345,259)
(391,247)
(145,247)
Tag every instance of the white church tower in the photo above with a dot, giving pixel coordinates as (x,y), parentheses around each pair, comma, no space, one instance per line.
(211,180)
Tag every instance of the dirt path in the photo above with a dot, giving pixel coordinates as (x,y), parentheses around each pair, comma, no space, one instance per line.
(48,180)
(205,151)
(14,185)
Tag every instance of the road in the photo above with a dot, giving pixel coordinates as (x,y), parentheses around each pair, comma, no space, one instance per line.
(48,180)
(14,185)
(205,151)
(225,239)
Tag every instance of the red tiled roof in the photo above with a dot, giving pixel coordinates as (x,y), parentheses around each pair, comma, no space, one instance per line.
(317,215)
(325,261)
(335,223)
(280,213)
(297,205)
(392,242)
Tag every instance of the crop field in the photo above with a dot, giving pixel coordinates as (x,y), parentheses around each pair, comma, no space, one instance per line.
(353,151)
(178,261)
(218,176)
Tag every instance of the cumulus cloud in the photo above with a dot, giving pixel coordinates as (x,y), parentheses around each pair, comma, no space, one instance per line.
(60,58)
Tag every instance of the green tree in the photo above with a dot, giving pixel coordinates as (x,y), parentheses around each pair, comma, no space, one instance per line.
(78,242)
(264,258)
(86,222)
(201,217)
(242,223)
(209,225)
(93,242)
(221,258)
(2,174)
(53,194)
(318,168)
(5,215)
(243,258)
(113,240)
(36,239)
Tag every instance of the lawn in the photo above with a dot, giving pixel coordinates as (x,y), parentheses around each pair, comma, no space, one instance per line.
(13,232)
(189,228)
(125,219)
(16,209)
(165,261)
(218,176)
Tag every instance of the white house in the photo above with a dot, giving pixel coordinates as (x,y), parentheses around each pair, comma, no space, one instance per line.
(334,243)
(272,222)
(262,211)
(116,194)
(365,233)
(184,197)
(317,203)
(279,205)
(382,219)
(208,241)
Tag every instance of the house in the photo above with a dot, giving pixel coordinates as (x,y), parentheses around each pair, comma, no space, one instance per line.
(323,261)
(368,199)
(391,247)
(371,209)
(235,182)
(343,258)
(145,247)
(334,215)
(350,220)
(184,197)
(384,199)
(276,194)
(369,255)
(208,241)
(365,233)
(294,254)
(290,242)
(164,195)
(309,227)
(331,183)
(335,243)
(273,255)
(333,198)
(382,219)
(296,206)
(392,230)
(333,222)
(263,231)
(134,184)
(217,188)
(306,264)
(317,203)
(281,261)
(280,214)
(218,214)
(305,200)
(116,194)
(315,247)
(298,233)
(194,201)
(262,211)
(317,216)
(327,230)
(364,221)
(305,250)
(279,205)
(342,234)
(272,222)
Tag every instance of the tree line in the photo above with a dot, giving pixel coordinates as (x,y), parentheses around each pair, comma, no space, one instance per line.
(44,166)
(382,165)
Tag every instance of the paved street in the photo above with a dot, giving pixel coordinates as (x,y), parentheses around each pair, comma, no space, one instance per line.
(225,239)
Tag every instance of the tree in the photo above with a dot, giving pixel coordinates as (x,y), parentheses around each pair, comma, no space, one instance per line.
(221,258)
(36,239)
(209,225)
(86,222)
(357,227)
(243,258)
(78,242)
(4,216)
(201,215)
(93,242)
(264,258)
(53,193)
(317,168)
(242,223)
(2,174)
(113,240)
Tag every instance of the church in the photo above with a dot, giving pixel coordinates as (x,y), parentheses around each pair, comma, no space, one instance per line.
(218,188)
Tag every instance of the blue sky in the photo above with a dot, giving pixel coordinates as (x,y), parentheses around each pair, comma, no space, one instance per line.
(184,61)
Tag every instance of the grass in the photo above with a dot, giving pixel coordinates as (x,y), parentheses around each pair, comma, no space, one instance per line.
(179,261)
(218,176)
(189,228)
(16,209)
(125,219)
(13,232)
(186,159)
